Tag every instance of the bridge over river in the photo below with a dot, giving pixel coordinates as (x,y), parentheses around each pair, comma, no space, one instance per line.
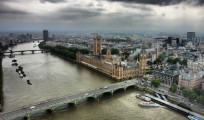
(52,104)
(22,51)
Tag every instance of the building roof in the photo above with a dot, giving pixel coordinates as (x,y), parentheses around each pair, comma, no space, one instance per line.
(168,72)
(137,51)
(191,76)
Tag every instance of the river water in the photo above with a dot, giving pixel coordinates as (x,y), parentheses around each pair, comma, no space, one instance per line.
(53,77)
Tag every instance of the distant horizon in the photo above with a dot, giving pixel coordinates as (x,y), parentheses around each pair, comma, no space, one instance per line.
(104,31)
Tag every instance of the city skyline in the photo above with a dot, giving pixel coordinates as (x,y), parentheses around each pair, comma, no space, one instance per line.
(93,15)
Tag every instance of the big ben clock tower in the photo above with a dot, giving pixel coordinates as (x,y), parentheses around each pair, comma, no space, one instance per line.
(142,61)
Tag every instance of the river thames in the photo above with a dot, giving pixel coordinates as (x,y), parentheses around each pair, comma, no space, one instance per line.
(53,77)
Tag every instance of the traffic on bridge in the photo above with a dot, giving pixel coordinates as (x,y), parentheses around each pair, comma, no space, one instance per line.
(51,104)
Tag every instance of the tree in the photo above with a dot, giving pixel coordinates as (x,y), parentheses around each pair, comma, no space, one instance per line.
(186,92)
(155,82)
(170,60)
(104,50)
(114,51)
(184,62)
(161,57)
(149,62)
(200,99)
(126,54)
(173,87)
(84,51)
(177,60)
(145,78)
(190,94)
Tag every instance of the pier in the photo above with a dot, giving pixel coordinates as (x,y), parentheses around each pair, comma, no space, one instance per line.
(174,107)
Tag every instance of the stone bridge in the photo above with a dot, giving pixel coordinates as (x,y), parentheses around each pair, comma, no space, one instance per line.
(52,104)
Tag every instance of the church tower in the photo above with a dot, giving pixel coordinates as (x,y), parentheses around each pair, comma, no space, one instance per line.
(78,56)
(97,45)
(108,53)
(142,61)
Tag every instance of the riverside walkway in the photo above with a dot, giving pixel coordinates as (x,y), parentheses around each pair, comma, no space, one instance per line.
(175,107)
(52,104)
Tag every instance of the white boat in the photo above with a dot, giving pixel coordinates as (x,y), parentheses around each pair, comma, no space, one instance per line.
(191,117)
(11,56)
(143,97)
(21,75)
(148,104)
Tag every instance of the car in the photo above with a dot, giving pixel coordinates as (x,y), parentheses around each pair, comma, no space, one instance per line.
(106,87)
(86,94)
(32,107)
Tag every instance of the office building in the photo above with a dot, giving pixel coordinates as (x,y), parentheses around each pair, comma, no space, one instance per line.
(190,36)
(45,35)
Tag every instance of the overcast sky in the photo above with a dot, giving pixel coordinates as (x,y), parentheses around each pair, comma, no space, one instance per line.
(90,15)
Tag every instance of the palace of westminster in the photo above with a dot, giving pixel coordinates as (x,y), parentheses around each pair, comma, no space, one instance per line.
(111,64)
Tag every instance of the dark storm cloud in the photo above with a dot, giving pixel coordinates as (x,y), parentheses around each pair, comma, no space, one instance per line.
(140,7)
(4,9)
(160,2)
(79,13)
(52,1)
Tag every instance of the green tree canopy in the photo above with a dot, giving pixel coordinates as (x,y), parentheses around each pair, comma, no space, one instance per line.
(161,57)
(173,87)
(114,51)
(104,50)
(126,54)
(155,82)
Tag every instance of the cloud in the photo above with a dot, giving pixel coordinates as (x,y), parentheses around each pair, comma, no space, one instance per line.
(160,2)
(4,9)
(72,13)
(140,7)
(52,1)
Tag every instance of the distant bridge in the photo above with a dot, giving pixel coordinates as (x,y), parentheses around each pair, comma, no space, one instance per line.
(22,51)
(53,104)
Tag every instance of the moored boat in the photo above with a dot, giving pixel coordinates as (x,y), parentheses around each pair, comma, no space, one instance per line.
(24,75)
(21,75)
(14,64)
(11,56)
(143,97)
(28,82)
(14,60)
(191,117)
(148,104)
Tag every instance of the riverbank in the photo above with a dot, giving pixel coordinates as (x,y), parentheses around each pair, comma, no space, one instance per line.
(172,99)
(91,68)
(1,85)
(1,81)
(68,53)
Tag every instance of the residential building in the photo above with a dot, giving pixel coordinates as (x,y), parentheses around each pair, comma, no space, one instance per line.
(191,79)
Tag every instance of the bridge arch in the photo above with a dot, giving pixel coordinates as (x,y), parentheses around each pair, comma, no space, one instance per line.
(131,86)
(119,90)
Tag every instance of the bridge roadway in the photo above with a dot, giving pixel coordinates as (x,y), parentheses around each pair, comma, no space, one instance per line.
(51,104)
(22,51)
